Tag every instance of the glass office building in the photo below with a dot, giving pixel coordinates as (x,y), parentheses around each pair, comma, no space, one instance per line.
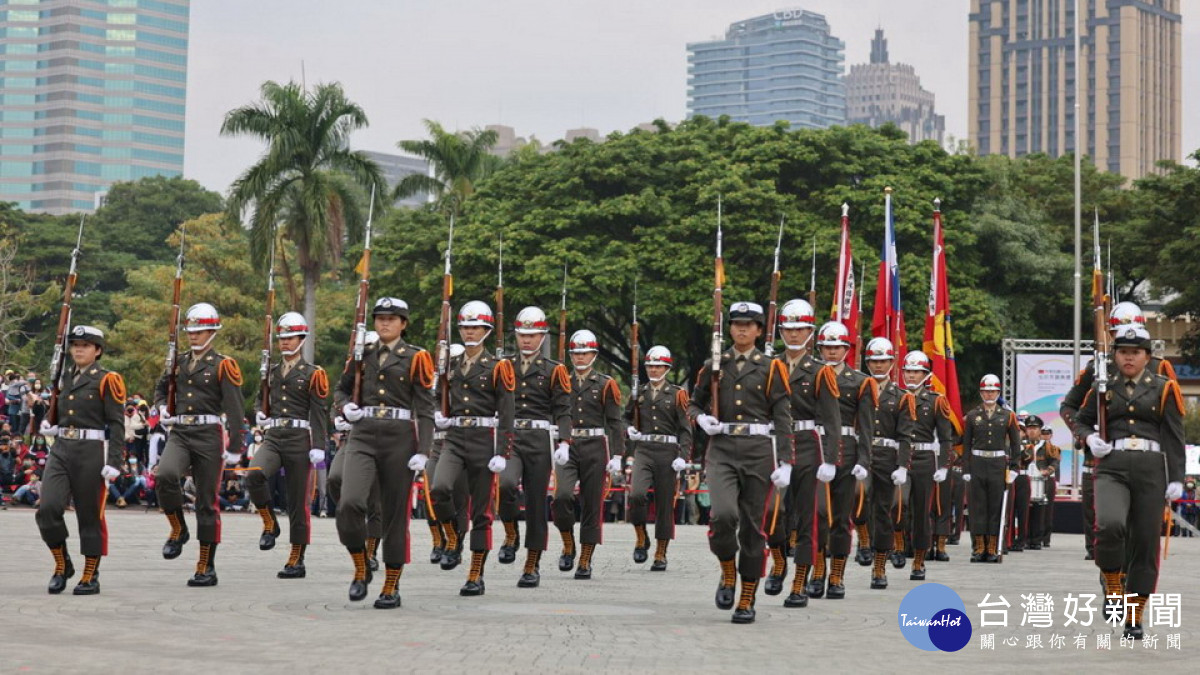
(92,92)
(779,66)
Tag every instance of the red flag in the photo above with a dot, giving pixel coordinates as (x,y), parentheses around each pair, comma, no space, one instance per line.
(845,299)
(939,339)
(888,320)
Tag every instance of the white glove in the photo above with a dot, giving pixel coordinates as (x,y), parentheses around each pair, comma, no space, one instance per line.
(497,463)
(316,456)
(939,475)
(341,424)
(260,419)
(164,418)
(1033,471)
(440,421)
(1174,490)
(48,430)
(900,476)
(858,472)
(561,454)
(352,412)
(678,464)
(417,462)
(1098,446)
(1010,476)
(826,472)
(110,473)
(782,476)
(615,465)
(709,424)
(634,434)
(966,478)
(230,458)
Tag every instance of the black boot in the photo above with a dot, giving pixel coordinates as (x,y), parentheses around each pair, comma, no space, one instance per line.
(863,556)
(779,570)
(745,609)
(512,539)
(362,576)
(641,549)
(566,561)
(389,597)
(474,585)
(453,547)
(584,571)
(532,576)
(438,550)
(724,597)
(206,573)
(660,556)
(294,569)
(266,541)
(372,553)
(89,583)
(63,569)
(816,585)
(178,537)
(798,597)
(837,572)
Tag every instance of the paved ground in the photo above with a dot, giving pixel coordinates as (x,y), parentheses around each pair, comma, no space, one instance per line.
(626,618)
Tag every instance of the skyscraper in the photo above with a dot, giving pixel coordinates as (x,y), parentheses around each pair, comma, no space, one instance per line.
(779,66)
(91,92)
(1022,80)
(880,92)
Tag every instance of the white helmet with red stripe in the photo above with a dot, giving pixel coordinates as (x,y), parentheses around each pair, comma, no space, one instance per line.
(917,361)
(476,313)
(880,349)
(797,313)
(202,316)
(291,324)
(989,383)
(658,356)
(1125,314)
(583,341)
(833,334)
(531,320)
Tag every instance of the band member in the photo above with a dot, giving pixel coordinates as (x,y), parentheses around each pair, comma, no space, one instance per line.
(478,425)
(392,428)
(1139,470)
(661,432)
(845,465)
(82,462)
(891,454)
(746,455)
(932,446)
(1018,493)
(599,447)
(1052,468)
(991,443)
(207,385)
(1041,467)
(543,413)
(294,438)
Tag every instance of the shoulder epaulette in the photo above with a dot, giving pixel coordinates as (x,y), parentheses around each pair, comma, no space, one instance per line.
(112,386)
(229,370)
(318,382)
(421,370)
(611,389)
(560,377)
(503,373)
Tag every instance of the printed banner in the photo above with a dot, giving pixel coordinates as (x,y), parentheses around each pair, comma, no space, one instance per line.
(1042,380)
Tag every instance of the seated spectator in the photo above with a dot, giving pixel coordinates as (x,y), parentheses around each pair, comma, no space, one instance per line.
(8,465)
(129,485)
(30,493)
(233,496)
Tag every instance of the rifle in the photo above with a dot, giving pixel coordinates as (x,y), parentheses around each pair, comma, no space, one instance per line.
(772,313)
(173,330)
(718,310)
(1102,346)
(443,363)
(264,365)
(634,353)
(500,303)
(358,335)
(62,341)
(858,345)
(562,320)
(812,284)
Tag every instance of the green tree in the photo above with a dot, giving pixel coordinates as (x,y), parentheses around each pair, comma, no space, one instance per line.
(308,183)
(459,162)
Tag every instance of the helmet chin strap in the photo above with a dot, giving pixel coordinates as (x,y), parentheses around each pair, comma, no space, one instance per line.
(658,379)
(880,377)
(476,343)
(290,353)
(802,345)
(200,348)
(918,385)
(538,348)
(587,365)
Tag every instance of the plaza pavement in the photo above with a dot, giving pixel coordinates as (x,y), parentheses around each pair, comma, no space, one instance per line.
(625,619)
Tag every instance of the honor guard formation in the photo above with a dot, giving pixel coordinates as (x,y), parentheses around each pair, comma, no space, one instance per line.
(811,461)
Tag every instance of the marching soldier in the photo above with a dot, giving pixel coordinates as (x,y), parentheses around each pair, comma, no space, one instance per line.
(1053,467)
(207,385)
(460,488)
(1018,512)
(1139,470)
(390,434)
(478,442)
(891,454)
(845,465)
(816,419)
(991,442)
(1041,465)
(543,412)
(932,446)
(598,448)
(82,462)
(294,437)
(661,431)
(745,455)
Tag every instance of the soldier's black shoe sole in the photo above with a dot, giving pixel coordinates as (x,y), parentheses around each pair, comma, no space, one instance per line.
(583,572)
(208,578)
(863,556)
(743,616)
(292,572)
(472,588)
(387,601)
(659,566)
(898,559)
(451,559)
(917,575)
(879,583)
(774,584)
(90,588)
(796,600)
(835,592)
(529,580)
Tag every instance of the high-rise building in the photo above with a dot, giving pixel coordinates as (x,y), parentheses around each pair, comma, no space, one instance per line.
(1022,80)
(779,66)
(880,92)
(91,92)
(395,167)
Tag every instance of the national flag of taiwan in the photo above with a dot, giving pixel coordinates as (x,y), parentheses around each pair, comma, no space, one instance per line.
(845,299)
(888,320)
(939,339)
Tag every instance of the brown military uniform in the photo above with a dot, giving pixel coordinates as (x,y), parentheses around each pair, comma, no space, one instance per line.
(932,449)
(991,442)
(858,396)
(891,449)
(662,415)
(598,435)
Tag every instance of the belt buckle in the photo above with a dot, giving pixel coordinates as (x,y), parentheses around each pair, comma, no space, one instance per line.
(381,413)
(1136,444)
(187,419)
(522,424)
(71,434)
(739,429)
(467,422)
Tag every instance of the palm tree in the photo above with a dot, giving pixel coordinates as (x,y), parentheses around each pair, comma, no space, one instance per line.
(459,161)
(308,183)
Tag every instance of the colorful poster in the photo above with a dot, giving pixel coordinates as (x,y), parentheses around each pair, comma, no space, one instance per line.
(1042,380)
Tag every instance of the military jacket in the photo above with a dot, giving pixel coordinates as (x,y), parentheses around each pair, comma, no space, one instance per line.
(1153,412)
(213,388)
(486,390)
(1087,378)
(94,400)
(404,380)
(814,397)
(858,395)
(894,419)
(596,404)
(998,431)
(759,394)
(543,392)
(664,414)
(303,394)
(934,423)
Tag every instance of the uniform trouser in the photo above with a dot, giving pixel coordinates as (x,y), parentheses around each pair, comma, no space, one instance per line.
(1129,512)
(529,466)
(739,482)
(958,498)
(921,499)
(465,455)
(834,538)
(1037,520)
(1048,515)
(1089,510)
(652,468)
(460,492)
(287,448)
(861,513)
(73,471)
(378,452)
(882,499)
(333,483)
(200,448)
(986,492)
(945,512)
(798,502)
(1018,510)
(587,467)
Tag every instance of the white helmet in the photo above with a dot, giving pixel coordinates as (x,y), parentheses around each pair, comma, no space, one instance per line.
(989,383)
(202,316)
(1124,314)
(658,356)
(531,320)
(584,341)
(476,313)
(880,349)
(797,313)
(917,360)
(291,324)
(833,334)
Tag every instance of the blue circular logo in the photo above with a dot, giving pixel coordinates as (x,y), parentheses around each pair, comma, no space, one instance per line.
(932,617)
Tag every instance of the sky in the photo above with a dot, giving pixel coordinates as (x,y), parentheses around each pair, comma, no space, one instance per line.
(540,66)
